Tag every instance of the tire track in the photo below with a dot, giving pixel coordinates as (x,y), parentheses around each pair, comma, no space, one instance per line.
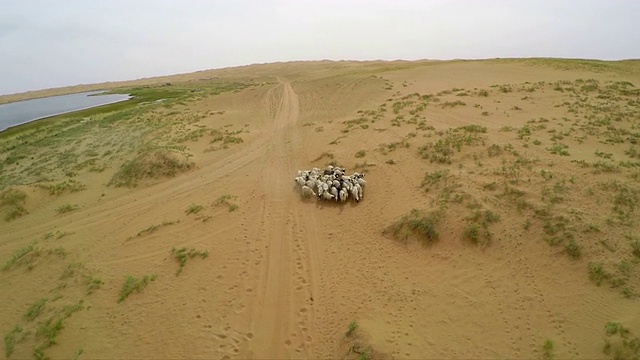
(281,316)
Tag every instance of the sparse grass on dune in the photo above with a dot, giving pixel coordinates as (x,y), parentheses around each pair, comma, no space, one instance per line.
(517,173)
(132,284)
(224,200)
(56,149)
(417,224)
(182,255)
(13,201)
(151,164)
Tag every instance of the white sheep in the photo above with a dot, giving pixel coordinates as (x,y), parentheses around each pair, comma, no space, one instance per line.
(307,191)
(361,182)
(355,193)
(300,180)
(327,196)
(344,195)
(334,192)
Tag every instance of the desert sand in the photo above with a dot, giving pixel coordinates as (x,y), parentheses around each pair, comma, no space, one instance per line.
(528,170)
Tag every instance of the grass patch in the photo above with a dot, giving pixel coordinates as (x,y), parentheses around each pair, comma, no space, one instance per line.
(50,328)
(153,228)
(181,255)
(597,274)
(635,248)
(60,188)
(19,255)
(12,338)
(223,200)
(419,224)
(151,164)
(433,178)
(94,283)
(193,209)
(325,154)
(62,209)
(14,199)
(35,309)
(477,229)
(573,249)
(547,350)
(619,342)
(351,329)
(132,284)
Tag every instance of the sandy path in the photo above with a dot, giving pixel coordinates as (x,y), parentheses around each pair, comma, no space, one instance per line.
(283,270)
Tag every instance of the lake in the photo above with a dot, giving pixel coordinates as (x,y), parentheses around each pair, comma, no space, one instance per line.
(21,112)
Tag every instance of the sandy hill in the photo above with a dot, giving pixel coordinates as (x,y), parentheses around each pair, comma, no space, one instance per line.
(499,219)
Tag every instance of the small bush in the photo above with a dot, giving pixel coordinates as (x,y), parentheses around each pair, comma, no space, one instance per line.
(224,200)
(597,273)
(150,164)
(353,326)
(181,255)
(472,233)
(15,212)
(67,208)
(547,349)
(35,309)
(361,154)
(573,249)
(635,248)
(419,224)
(94,284)
(10,340)
(132,284)
(193,209)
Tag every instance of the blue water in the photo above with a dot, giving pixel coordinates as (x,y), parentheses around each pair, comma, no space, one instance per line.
(21,112)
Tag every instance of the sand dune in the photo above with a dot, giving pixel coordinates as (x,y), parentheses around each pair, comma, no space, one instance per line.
(526,169)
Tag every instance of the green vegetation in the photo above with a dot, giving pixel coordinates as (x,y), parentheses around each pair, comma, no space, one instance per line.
(477,229)
(181,255)
(35,309)
(14,200)
(573,249)
(193,209)
(66,208)
(353,326)
(326,154)
(132,284)
(361,154)
(21,255)
(11,339)
(153,228)
(431,179)
(151,164)
(547,350)
(223,200)
(93,284)
(619,342)
(419,224)
(597,273)
(50,328)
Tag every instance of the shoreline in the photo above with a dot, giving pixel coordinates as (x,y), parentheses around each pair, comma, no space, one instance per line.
(62,113)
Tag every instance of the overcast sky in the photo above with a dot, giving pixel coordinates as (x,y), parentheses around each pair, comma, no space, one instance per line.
(52,43)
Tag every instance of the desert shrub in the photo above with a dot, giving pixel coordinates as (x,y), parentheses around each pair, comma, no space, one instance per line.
(150,164)
(573,249)
(181,255)
(597,274)
(132,284)
(419,224)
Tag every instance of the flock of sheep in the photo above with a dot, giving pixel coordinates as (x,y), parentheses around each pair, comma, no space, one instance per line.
(331,184)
